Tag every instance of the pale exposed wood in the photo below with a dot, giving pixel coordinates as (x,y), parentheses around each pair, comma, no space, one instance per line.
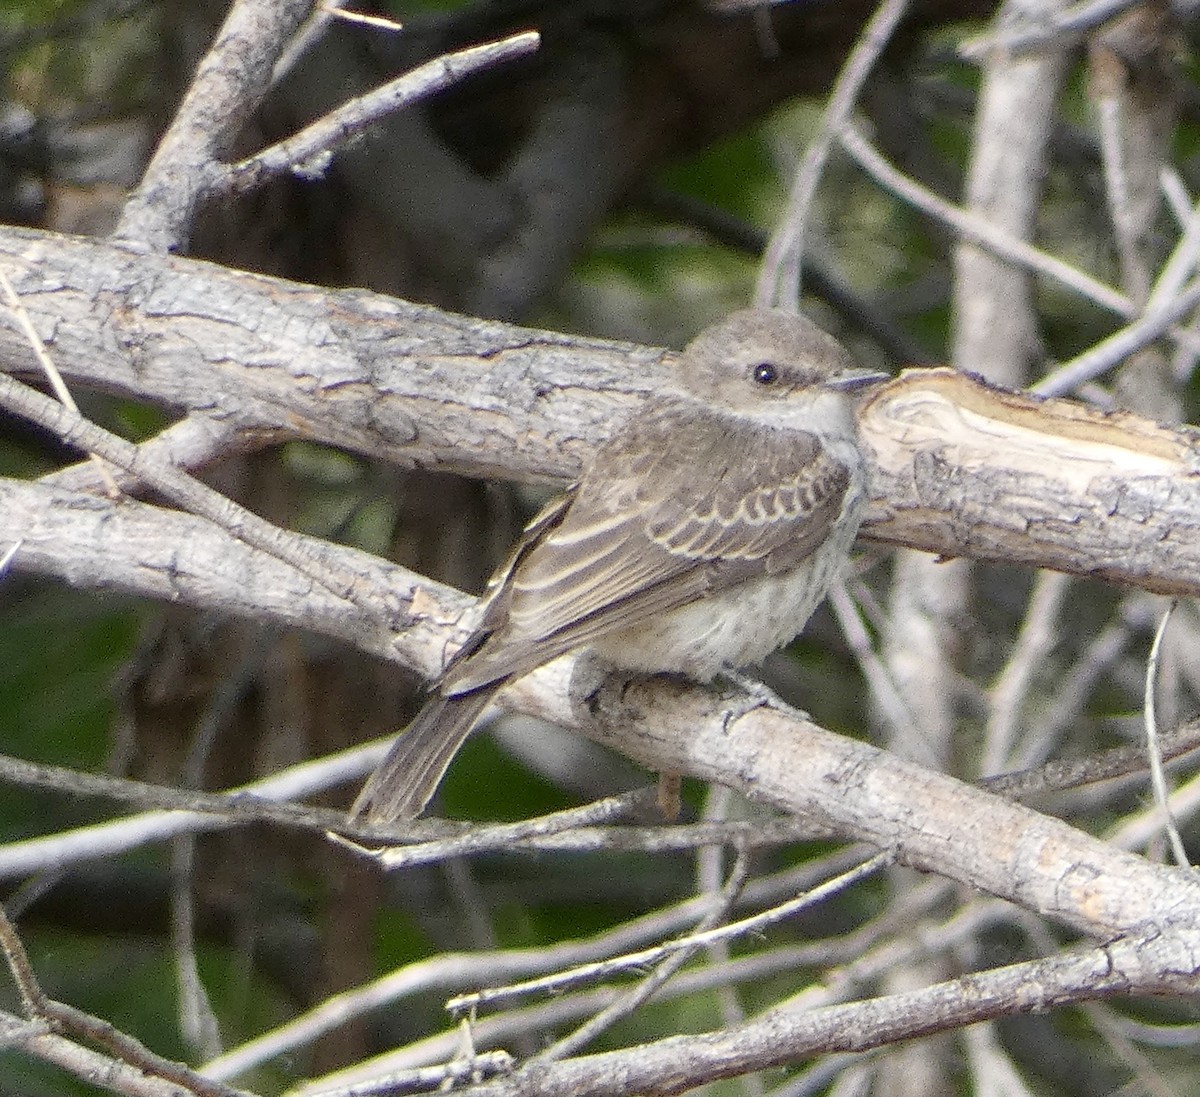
(969,470)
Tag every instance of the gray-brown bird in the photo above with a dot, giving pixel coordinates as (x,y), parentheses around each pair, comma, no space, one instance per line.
(701,537)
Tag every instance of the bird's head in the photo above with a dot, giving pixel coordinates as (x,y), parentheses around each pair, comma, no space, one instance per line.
(775,366)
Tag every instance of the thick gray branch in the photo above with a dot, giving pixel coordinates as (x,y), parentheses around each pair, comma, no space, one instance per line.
(92,542)
(960,473)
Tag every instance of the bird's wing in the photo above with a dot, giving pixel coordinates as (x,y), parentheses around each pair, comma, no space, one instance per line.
(665,516)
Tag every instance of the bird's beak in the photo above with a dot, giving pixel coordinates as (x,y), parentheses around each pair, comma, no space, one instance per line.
(851,380)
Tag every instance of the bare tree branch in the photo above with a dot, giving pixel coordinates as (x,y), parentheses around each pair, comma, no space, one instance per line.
(1146,963)
(957,469)
(229,84)
(304,150)
(67,1019)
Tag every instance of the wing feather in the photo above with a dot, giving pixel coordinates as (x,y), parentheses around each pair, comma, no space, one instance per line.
(684,517)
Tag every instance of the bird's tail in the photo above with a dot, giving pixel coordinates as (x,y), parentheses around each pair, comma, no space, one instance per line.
(405,781)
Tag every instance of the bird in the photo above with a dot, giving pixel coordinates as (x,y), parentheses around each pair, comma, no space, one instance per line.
(701,537)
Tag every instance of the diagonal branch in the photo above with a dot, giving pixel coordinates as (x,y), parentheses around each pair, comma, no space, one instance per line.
(781,1038)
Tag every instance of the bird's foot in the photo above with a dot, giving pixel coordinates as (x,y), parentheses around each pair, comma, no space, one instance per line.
(762,694)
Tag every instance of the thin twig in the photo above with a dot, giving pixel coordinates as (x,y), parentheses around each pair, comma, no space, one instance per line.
(884,692)
(1180,264)
(1134,276)
(23,974)
(310,31)
(1118,346)
(1146,1076)
(6,557)
(993,1073)
(1158,780)
(981,232)
(1179,202)
(1141,829)
(501,836)
(1064,708)
(75,1022)
(38,346)
(1108,765)
(628,1003)
(188,811)
(718,802)
(197,1018)
(440,1078)
(606,968)
(189,493)
(244,804)
(309,150)
(779,276)
(1037,636)
(375,22)
(120,835)
(455,970)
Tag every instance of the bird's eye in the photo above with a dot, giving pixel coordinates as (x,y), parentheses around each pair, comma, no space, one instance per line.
(765,373)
